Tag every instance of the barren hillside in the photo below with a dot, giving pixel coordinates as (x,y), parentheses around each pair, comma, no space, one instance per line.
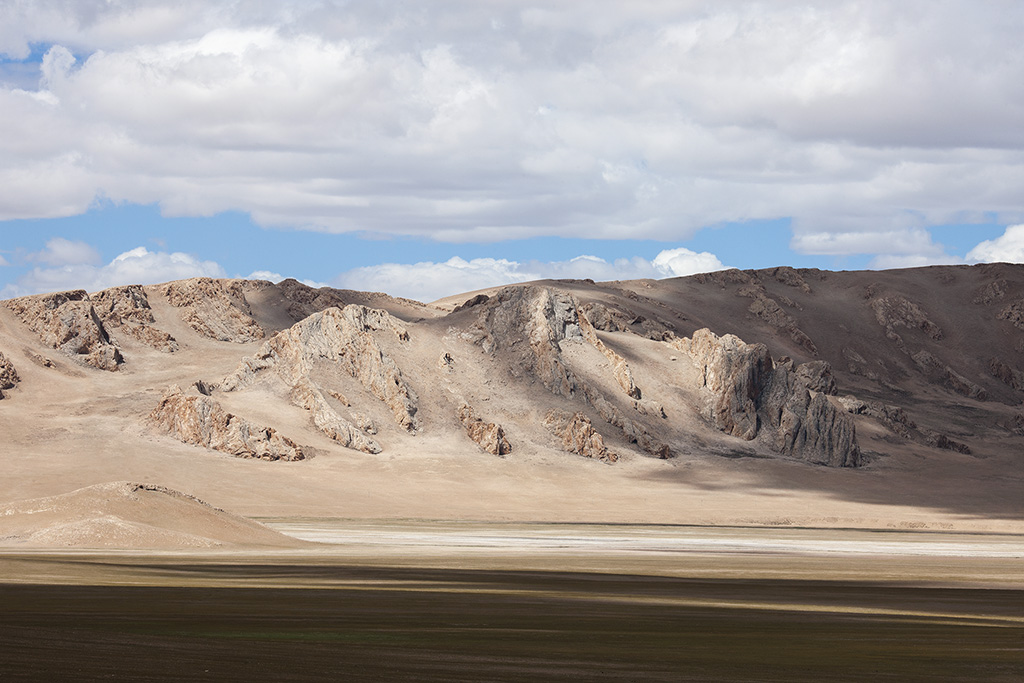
(869,399)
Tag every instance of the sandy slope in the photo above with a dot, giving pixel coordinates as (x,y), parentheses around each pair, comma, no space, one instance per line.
(128,515)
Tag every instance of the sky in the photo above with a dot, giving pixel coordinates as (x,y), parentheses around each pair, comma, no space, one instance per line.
(428,149)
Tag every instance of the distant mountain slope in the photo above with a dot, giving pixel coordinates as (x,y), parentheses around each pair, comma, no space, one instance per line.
(904,371)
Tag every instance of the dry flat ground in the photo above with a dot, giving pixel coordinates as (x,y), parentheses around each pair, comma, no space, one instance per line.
(444,601)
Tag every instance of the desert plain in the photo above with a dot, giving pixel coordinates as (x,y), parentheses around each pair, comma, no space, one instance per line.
(745,475)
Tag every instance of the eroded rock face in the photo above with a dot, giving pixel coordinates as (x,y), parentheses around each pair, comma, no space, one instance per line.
(546,318)
(343,337)
(578,435)
(127,309)
(749,396)
(68,322)
(200,420)
(488,435)
(8,375)
(215,308)
(306,395)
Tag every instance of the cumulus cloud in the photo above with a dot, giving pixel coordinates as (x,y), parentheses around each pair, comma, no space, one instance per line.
(468,121)
(137,266)
(1008,247)
(428,281)
(64,252)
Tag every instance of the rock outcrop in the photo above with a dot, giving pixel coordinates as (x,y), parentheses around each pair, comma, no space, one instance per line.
(768,309)
(488,435)
(343,337)
(578,435)
(200,420)
(68,322)
(127,309)
(896,311)
(546,318)
(306,395)
(947,376)
(1014,313)
(8,375)
(216,309)
(1007,374)
(749,396)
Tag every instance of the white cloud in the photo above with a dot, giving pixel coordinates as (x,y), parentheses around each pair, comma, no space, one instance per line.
(428,281)
(3,261)
(468,121)
(1008,247)
(64,252)
(138,266)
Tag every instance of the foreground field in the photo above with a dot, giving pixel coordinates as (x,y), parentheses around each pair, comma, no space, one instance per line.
(470,602)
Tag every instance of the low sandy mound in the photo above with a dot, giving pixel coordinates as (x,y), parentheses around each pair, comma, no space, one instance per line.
(128,515)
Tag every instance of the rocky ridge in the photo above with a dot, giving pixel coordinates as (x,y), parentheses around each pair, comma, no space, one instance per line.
(216,309)
(546,318)
(127,309)
(343,337)
(67,321)
(200,420)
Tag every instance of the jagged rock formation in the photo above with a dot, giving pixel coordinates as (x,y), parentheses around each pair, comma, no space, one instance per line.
(343,337)
(488,435)
(216,309)
(200,420)
(578,435)
(545,318)
(127,309)
(68,322)
(749,396)
(8,375)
